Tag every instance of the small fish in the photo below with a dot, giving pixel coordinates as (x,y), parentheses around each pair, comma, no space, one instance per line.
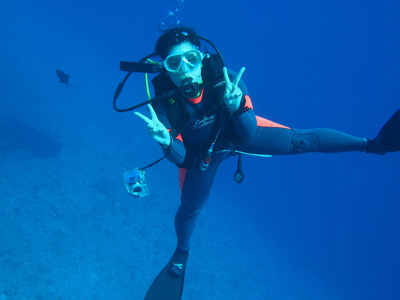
(64,78)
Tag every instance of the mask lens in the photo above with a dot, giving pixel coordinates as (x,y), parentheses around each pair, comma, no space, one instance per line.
(192,58)
(173,62)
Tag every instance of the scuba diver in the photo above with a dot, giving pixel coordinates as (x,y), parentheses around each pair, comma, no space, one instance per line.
(209,117)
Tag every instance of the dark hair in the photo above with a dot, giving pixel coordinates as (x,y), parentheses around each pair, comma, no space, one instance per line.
(173,37)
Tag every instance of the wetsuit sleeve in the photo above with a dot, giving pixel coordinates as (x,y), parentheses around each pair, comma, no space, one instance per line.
(176,151)
(244,118)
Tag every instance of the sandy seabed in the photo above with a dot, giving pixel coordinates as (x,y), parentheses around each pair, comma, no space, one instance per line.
(69,230)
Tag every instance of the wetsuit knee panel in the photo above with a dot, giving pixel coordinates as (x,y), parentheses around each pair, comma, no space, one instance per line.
(305,142)
(188,211)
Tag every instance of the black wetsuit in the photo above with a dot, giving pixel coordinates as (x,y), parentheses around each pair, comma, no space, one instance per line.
(249,133)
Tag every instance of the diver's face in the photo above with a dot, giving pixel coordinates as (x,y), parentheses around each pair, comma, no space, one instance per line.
(185,71)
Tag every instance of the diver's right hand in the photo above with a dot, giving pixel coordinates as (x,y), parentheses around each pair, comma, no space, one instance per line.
(155,128)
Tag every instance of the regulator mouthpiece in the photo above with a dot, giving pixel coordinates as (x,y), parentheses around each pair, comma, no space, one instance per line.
(189,89)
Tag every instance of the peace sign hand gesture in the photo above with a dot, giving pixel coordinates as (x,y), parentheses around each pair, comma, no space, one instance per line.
(233,94)
(155,128)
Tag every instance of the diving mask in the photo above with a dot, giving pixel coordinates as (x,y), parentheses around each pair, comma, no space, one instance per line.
(192,59)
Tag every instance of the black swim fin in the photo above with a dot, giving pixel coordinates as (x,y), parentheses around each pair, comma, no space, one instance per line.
(388,139)
(168,285)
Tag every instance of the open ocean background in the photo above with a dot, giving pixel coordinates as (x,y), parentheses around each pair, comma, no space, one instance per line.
(313,226)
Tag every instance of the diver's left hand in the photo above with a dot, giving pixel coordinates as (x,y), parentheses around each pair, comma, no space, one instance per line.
(233,94)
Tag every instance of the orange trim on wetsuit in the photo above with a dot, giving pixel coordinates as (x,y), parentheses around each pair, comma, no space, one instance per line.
(248,103)
(182,176)
(262,122)
(196,100)
(179,137)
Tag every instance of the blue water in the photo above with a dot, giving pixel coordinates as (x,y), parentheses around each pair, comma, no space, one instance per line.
(314,226)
